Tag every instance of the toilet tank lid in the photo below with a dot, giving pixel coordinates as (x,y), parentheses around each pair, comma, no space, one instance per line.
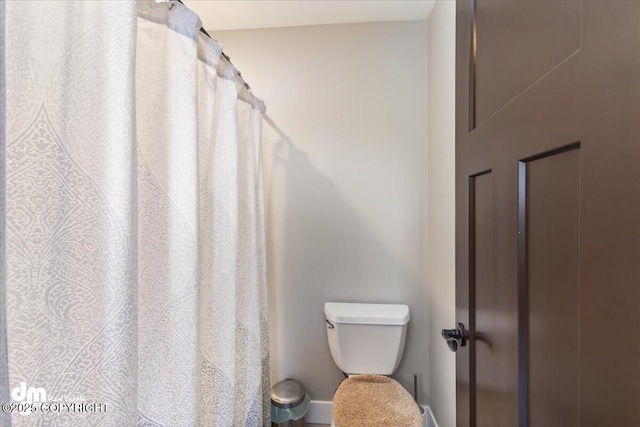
(367,314)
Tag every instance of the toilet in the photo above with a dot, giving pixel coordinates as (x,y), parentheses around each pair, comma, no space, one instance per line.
(366,343)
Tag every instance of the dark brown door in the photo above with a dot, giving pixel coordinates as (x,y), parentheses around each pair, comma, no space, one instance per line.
(548,213)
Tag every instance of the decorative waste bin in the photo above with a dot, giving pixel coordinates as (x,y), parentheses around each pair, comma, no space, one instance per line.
(289,404)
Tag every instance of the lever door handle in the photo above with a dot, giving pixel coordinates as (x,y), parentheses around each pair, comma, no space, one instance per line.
(456,337)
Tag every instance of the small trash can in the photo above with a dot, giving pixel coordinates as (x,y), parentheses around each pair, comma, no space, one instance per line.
(289,404)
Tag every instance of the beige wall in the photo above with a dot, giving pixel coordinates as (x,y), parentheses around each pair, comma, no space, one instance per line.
(346,195)
(441,212)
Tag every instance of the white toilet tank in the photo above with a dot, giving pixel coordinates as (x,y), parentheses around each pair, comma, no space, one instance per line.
(366,338)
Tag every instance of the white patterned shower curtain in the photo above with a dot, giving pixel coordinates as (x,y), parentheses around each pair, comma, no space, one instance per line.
(133,247)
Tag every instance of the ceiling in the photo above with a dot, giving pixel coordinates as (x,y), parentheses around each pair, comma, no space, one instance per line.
(219,15)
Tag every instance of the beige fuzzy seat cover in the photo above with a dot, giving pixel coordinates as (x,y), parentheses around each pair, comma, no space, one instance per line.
(374,401)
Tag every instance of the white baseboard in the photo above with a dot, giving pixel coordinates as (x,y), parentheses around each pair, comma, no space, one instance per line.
(320,413)
(431,419)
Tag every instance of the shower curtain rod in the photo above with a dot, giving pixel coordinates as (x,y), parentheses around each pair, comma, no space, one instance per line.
(227,57)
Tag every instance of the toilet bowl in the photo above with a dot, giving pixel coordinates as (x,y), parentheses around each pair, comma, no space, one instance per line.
(367,342)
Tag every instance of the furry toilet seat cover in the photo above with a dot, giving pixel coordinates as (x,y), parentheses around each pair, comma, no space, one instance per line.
(374,401)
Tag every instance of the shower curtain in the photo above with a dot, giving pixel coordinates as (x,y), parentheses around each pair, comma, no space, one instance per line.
(133,247)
